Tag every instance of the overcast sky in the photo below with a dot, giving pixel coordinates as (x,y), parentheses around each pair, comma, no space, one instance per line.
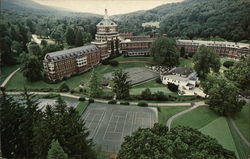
(113,6)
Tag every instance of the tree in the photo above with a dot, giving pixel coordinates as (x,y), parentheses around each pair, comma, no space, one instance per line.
(240,74)
(183,52)
(205,60)
(79,38)
(117,47)
(228,64)
(31,68)
(121,84)
(70,36)
(164,52)
(172,87)
(95,85)
(179,142)
(112,48)
(146,94)
(35,49)
(223,95)
(31,116)
(11,120)
(64,88)
(63,124)
(56,151)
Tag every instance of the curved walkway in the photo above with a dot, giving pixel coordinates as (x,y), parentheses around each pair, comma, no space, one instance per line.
(195,105)
(106,101)
(238,132)
(9,77)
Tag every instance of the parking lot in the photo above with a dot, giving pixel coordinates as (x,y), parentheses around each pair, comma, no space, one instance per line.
(109,124)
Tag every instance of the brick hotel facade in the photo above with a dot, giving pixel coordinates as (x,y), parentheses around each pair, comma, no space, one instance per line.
(65,63)
(135,45)
(223,49)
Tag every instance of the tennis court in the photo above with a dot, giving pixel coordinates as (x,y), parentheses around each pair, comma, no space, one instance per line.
(109,124)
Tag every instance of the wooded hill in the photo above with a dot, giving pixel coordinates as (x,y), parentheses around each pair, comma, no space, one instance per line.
(227,19)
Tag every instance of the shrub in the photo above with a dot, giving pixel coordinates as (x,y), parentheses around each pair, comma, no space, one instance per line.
(81,90)
(142,104)
(160,96)
(91,100)
(82,99)
(112,102)
(172,87)
(228,64)
(113,63)
(64,88)
(105,62)
(158,80)
(124,103)
(146,94)
(72,91)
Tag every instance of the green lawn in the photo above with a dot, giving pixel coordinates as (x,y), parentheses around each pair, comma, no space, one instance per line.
(197,118)
(18,81)
(137,91)
(222,60)
(219,130)
(242,121)
(186,62)
(122,58)
(6,71)
(149,84)
(81,106)
(166,112)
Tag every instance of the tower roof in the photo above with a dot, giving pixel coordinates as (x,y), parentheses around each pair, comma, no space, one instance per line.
(106,21)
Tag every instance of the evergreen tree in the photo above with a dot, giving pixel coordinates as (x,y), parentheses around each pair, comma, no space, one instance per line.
(112,48)
(121,84)
(63,124)
(117,47)
(79,38)
(95,85)
(70,36)
(31,117)
(182,52)
(56,151)
(164,51)
(11,119)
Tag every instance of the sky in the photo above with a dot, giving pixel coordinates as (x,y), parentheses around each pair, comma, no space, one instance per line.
(114,6)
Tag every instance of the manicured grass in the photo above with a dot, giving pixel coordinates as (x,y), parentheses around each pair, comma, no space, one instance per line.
(242,121)
(143,59)
(149,84)
(6,71)
(166,112)
(197,118)
(186,62)
(18,81)
(81,106)
(219,130)
(137,91)
(242,148)
(222,60)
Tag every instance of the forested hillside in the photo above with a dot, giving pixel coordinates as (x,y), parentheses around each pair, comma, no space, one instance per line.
(228,19)
(28,6)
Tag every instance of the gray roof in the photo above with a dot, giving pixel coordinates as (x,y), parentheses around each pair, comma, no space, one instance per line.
(137,41)
(106,22)
(72,52)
